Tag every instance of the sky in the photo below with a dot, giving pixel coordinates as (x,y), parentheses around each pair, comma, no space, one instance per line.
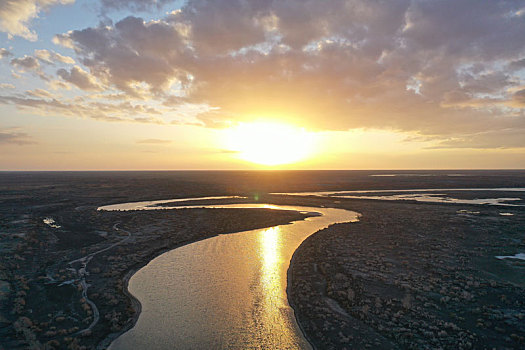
(262,84)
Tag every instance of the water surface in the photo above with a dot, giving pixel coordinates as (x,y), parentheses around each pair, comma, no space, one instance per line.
(420,195)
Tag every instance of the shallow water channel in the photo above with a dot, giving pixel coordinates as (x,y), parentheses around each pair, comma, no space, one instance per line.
(226,292)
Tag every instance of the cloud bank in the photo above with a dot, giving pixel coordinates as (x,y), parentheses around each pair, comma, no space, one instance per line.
(452,70)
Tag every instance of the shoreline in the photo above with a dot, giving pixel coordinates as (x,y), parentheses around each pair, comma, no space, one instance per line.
(136,305)
(289,278)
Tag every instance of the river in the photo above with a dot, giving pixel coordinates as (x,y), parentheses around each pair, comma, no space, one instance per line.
(226,292)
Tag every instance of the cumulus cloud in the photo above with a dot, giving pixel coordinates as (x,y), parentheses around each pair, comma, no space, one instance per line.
(448,68)
(131,52)
(80,78)
(217,27)
(15,137)
(25,63)
(16,15)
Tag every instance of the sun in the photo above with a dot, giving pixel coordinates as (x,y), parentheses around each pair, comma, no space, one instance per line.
(270,143)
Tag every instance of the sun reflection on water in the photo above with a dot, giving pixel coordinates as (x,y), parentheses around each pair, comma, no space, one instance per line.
(271,278)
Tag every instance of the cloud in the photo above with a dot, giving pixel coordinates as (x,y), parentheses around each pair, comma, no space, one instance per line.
(518,99)
(133,5)
(5,53)
(130,53)
(154,141)
(80,78)
(16,15)
(63,40)
(25,63)
(29,64)
(56,84)
(508,138)
(518,64)
(42,102)
(447,69)
(53,57)
(6,86)
(15,137)
(40,93)
(217,27)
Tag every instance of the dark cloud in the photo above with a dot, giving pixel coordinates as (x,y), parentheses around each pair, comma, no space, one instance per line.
(131,52)
(25,63)
(518,64)
(217,27)
(133,5)
(466,28)
(5,53)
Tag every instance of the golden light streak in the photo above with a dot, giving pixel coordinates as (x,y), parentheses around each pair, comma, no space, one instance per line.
(270,251)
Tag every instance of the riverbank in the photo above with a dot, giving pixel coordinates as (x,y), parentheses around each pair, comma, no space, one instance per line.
(412,276)
(136,307)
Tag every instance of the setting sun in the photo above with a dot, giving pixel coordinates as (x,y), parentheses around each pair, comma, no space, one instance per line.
(270,143)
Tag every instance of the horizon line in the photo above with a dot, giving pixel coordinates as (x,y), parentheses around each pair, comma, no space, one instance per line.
(254,170)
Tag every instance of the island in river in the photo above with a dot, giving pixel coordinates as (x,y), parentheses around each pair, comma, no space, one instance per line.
(408,275)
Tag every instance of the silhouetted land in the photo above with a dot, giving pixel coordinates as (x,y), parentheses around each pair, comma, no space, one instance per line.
(402,276)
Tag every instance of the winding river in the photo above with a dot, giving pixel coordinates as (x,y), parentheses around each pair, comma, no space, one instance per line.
(226,292)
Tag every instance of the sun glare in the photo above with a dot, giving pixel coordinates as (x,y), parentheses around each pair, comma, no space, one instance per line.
(270,143)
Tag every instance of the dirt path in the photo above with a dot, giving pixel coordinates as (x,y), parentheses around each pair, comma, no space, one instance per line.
(82,273)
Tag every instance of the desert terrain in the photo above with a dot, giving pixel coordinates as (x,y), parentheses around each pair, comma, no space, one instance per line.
(407,275)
